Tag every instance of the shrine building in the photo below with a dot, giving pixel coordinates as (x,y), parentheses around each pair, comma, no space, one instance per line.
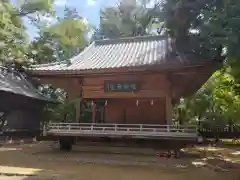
(134,80)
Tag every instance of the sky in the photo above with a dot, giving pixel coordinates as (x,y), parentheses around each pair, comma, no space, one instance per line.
(88,9)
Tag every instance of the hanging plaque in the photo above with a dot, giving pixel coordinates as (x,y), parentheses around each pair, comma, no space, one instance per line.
(112,86)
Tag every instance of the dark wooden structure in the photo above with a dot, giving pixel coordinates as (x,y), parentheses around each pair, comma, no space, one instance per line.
(21,104)
(129,81)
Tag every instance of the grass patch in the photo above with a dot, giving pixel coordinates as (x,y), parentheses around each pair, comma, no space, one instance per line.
(229,142)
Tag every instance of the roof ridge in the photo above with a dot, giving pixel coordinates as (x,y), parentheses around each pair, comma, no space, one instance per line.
(130,39)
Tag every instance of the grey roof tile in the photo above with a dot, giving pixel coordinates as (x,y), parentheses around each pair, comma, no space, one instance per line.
(13,82)
(116,53)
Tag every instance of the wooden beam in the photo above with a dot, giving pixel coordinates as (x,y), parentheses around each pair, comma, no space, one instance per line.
(78,105)
(168,109)
(94,112)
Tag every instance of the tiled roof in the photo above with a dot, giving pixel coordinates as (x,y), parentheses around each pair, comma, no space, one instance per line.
(13,82)
(116,53)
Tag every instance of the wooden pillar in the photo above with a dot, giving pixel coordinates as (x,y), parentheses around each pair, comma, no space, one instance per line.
(78,106)
(65,114)
(169,108)
(93,112)
(78,109)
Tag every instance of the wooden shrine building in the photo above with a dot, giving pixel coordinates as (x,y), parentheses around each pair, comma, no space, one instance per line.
(128,81)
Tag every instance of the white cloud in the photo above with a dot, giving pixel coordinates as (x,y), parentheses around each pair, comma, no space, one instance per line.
(85,21)
(47,19)
(60,2)
(91,2)
(151,3)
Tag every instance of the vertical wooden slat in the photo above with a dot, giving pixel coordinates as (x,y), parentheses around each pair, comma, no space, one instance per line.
(78,109)
(93,112)
(168,110)
(78,105)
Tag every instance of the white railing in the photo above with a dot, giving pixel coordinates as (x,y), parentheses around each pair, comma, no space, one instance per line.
(120,129)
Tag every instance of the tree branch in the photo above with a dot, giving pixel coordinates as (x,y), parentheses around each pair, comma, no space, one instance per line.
(21,14)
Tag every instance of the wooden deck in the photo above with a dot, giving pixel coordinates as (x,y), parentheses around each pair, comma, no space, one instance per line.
(137,131)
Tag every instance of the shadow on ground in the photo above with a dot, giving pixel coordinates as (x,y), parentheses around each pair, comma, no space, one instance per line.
(91,164)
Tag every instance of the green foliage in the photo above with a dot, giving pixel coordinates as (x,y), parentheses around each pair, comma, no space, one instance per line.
(60,41)
(216,24)
(43,49)
(62,112)
(127,20)
(27,7)
(210,30)
(13,36)
(217,102)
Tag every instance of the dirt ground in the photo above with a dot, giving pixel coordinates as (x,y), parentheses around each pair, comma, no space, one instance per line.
(48,163)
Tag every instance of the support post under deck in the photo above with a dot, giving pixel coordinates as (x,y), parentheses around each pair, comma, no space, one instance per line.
(65,144)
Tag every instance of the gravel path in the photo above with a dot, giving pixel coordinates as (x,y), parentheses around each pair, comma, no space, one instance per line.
(56,165)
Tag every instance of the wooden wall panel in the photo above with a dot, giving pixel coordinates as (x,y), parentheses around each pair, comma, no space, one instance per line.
(127,112)
(114,112)
(152,85)
(145,113)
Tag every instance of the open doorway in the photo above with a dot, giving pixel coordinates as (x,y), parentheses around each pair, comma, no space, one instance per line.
(87,111)
(100,111)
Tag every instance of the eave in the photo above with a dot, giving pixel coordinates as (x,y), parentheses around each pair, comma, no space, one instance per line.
(132,70)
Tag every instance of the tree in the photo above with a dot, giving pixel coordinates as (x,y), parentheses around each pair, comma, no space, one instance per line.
(13,35)
(217,102)
(60,41)
(207,28)
(127,20)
